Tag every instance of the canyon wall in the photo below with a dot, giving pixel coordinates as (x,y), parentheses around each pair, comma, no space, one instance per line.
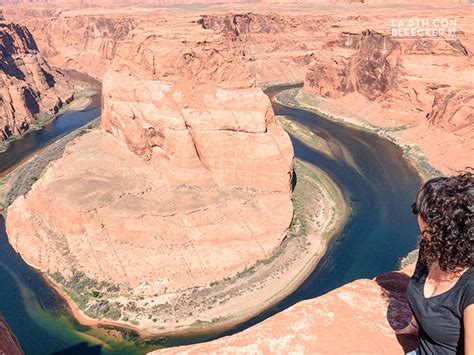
(87,40)
(188,183)
(420,89)
(85,43)
(29,86)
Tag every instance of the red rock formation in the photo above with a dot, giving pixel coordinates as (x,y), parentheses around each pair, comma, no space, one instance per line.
(372,70)
(270,54)
(358,318)
(9,344)
(190,185)
(89,48)
(29,87)
(268,51)
(452,110)
(419,82)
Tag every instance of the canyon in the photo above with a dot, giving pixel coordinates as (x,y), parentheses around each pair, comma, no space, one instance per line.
(188,182)
(30,88)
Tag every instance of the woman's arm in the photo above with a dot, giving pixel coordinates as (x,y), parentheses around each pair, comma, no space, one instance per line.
(469,330)
(411,328)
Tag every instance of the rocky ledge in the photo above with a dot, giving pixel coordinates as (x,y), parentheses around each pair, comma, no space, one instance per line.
(8,342)
(357,318)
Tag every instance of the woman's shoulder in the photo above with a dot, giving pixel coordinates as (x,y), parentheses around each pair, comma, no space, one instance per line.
(467,290)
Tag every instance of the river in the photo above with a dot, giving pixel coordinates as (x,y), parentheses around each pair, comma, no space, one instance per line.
(380,230)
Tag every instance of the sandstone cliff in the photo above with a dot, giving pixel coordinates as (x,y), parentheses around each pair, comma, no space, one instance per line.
(188,183)
(84,43)
(261,38)
(420,89)
(270,52)
(28,86)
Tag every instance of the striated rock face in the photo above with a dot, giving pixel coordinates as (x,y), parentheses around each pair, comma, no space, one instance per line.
(28,86)
(372,70)
(83,43)
(9,344)
(188,183)
(423,86)
(358,318)
(192,108)
(452,110)
(270,54)
(261,38)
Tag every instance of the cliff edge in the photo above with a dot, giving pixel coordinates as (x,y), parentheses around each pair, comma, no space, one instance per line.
(9,344)
(357,318)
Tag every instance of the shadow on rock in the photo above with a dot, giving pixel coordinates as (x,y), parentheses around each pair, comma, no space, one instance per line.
(394,286)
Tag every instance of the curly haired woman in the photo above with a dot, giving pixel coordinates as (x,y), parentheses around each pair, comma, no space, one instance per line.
(441,290)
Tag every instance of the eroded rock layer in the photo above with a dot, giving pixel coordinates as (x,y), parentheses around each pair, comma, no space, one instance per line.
(28,86)
(188,183)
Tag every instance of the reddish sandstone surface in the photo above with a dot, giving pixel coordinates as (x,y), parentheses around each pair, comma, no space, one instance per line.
(358,318)
(29,86)
(87,40)
(9,344)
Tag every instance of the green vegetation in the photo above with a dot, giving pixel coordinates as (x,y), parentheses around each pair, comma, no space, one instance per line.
(87,293)
(201,323)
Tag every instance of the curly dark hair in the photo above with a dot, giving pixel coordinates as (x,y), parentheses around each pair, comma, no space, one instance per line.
(446,205)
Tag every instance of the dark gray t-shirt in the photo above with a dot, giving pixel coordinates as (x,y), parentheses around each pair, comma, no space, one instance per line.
(440,317)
